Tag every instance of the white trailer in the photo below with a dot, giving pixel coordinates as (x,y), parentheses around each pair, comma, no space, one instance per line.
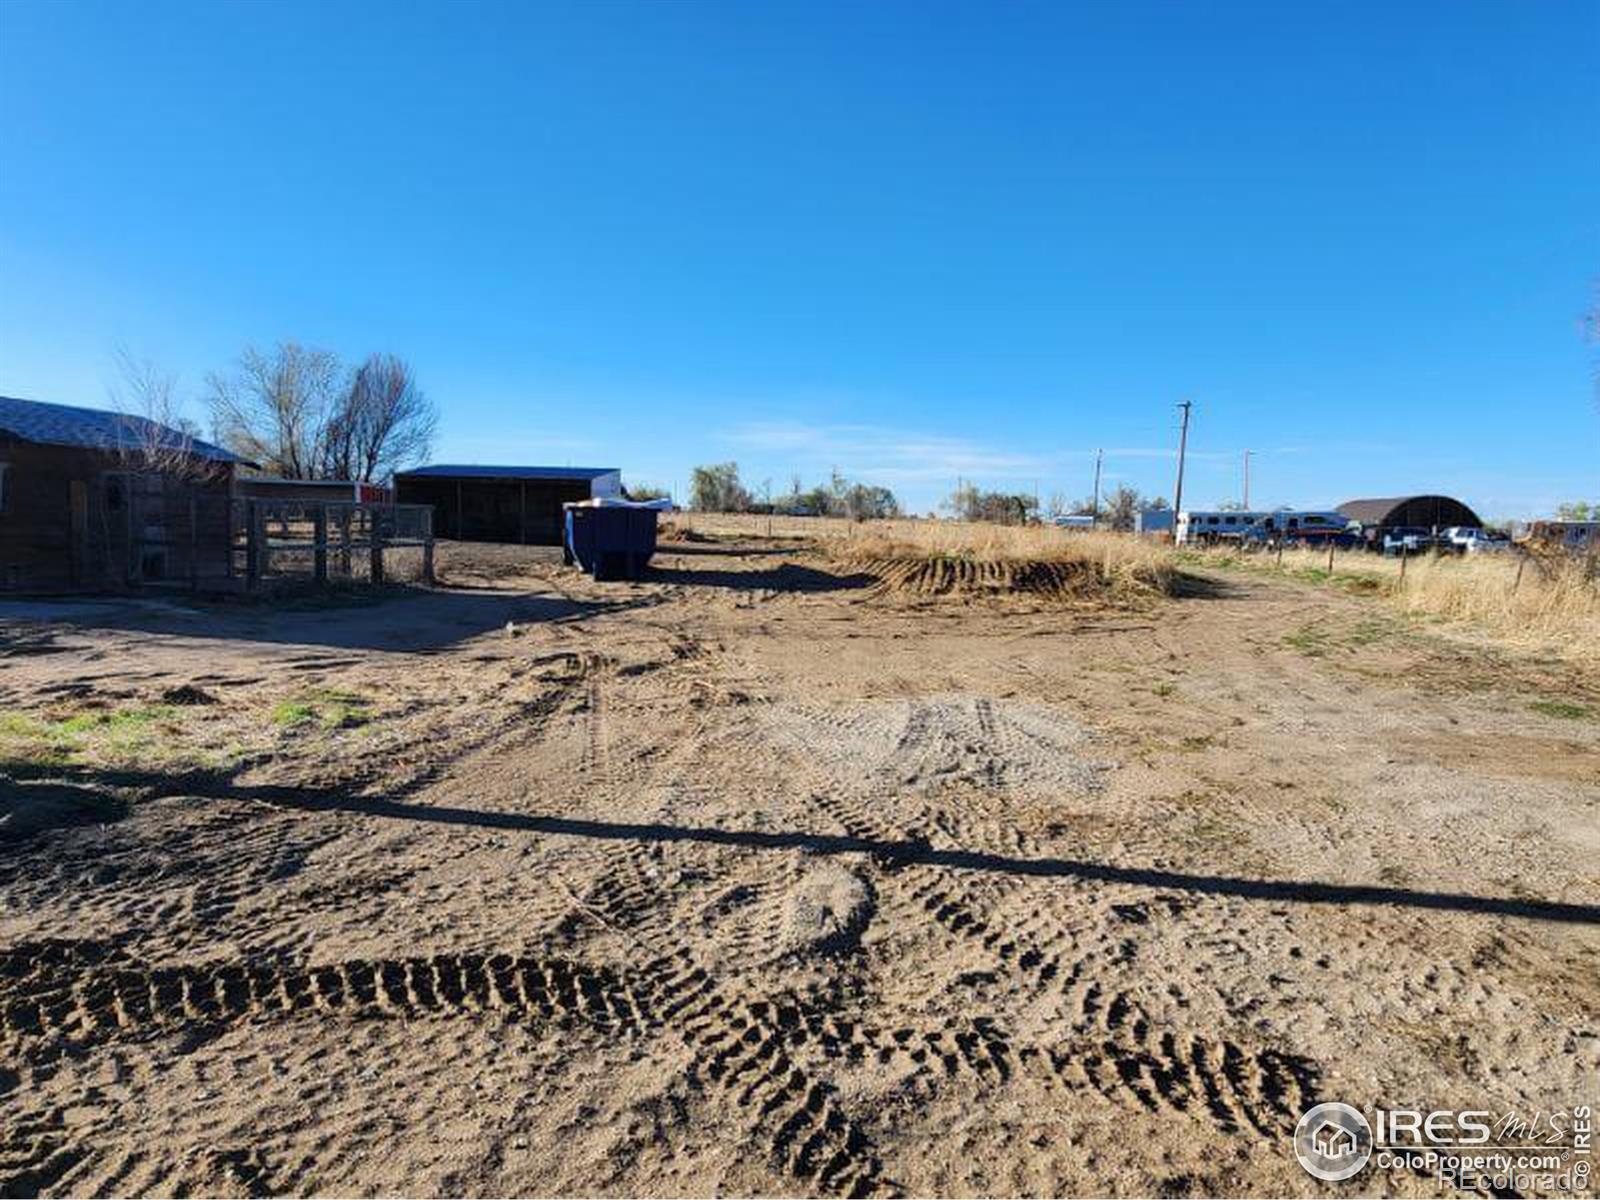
(1200,528)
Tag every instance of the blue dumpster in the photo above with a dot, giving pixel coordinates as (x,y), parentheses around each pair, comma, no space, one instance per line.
(610,539)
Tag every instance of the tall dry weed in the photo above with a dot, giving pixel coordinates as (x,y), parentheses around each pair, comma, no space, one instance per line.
(1127,564)
(1550,604)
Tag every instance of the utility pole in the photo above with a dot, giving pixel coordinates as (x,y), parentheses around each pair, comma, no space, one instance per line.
(1183,446)
(1098,456)
(1247,480)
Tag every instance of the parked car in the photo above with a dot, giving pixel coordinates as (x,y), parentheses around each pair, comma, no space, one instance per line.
(1301,528)
(1411,541)
(1467,540)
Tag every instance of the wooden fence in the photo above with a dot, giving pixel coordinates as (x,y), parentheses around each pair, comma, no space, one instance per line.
(284,540)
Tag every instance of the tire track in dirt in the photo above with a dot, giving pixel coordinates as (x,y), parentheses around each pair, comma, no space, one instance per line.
(78,993)
(1114,1047)
(36,1153)
(743,1052)
(740,1057)
(224,855)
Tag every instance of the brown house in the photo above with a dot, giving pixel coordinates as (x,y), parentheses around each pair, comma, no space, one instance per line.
(92,500)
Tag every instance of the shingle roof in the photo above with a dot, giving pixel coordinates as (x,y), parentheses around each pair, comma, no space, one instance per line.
(445,470)
(97,429)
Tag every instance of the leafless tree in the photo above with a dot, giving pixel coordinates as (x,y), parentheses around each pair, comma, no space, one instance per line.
(383,421)
(153,436)
(275,408)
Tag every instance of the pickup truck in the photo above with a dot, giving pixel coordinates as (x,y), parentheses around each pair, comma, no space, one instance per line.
(1411,541)
(1468,540)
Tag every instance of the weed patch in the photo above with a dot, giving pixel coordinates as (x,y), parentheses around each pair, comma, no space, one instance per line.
(1563,710)
(331,708)
(89,733)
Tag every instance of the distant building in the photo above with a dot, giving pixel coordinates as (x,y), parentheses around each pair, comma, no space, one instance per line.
(1426,514)
(93,499)
(1153,520)
(1565,535)
(503,504)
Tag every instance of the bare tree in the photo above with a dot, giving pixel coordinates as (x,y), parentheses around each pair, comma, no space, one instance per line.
(275,407)
(383,422)
(152,435)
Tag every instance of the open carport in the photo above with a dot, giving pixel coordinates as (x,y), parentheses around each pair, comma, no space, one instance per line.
(503,504)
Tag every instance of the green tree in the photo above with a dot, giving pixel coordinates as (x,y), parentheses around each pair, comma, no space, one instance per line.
(1120,508)
(968,503)
(717,488)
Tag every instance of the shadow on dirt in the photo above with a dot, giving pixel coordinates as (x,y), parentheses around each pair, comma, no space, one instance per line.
(891,854)
(403,621)
(31,807)
(790,577)
(689,549)
(1189,586)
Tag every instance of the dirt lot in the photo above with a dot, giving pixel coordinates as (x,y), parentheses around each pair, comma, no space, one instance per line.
(759,878)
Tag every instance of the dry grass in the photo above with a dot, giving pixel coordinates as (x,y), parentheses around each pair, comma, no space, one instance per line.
(1114,553)
(748,525)
(958,556)
(1553,606)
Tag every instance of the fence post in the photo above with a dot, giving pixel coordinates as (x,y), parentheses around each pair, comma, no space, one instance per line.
(1403,556)
(252,545)
(319,532)
(1280,551)
(427,546)
(1522,561)
(1330,556)
(375,545)
(264,553)
(344,540)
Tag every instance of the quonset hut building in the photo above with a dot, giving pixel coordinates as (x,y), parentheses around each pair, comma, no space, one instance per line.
(1379,516)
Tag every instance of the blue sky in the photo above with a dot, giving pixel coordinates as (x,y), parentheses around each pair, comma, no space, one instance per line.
(913,241)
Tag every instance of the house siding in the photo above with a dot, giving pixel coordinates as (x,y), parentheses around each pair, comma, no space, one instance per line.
(66,525)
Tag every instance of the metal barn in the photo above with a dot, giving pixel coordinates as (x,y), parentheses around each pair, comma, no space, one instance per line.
(503,504)
(1411,512)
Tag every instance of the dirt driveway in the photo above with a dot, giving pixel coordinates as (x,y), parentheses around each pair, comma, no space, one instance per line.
(756,879)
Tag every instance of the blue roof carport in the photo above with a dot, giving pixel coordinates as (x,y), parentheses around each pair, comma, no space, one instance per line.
(512,504)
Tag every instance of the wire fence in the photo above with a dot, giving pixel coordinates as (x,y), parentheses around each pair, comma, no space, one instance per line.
(280,541)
